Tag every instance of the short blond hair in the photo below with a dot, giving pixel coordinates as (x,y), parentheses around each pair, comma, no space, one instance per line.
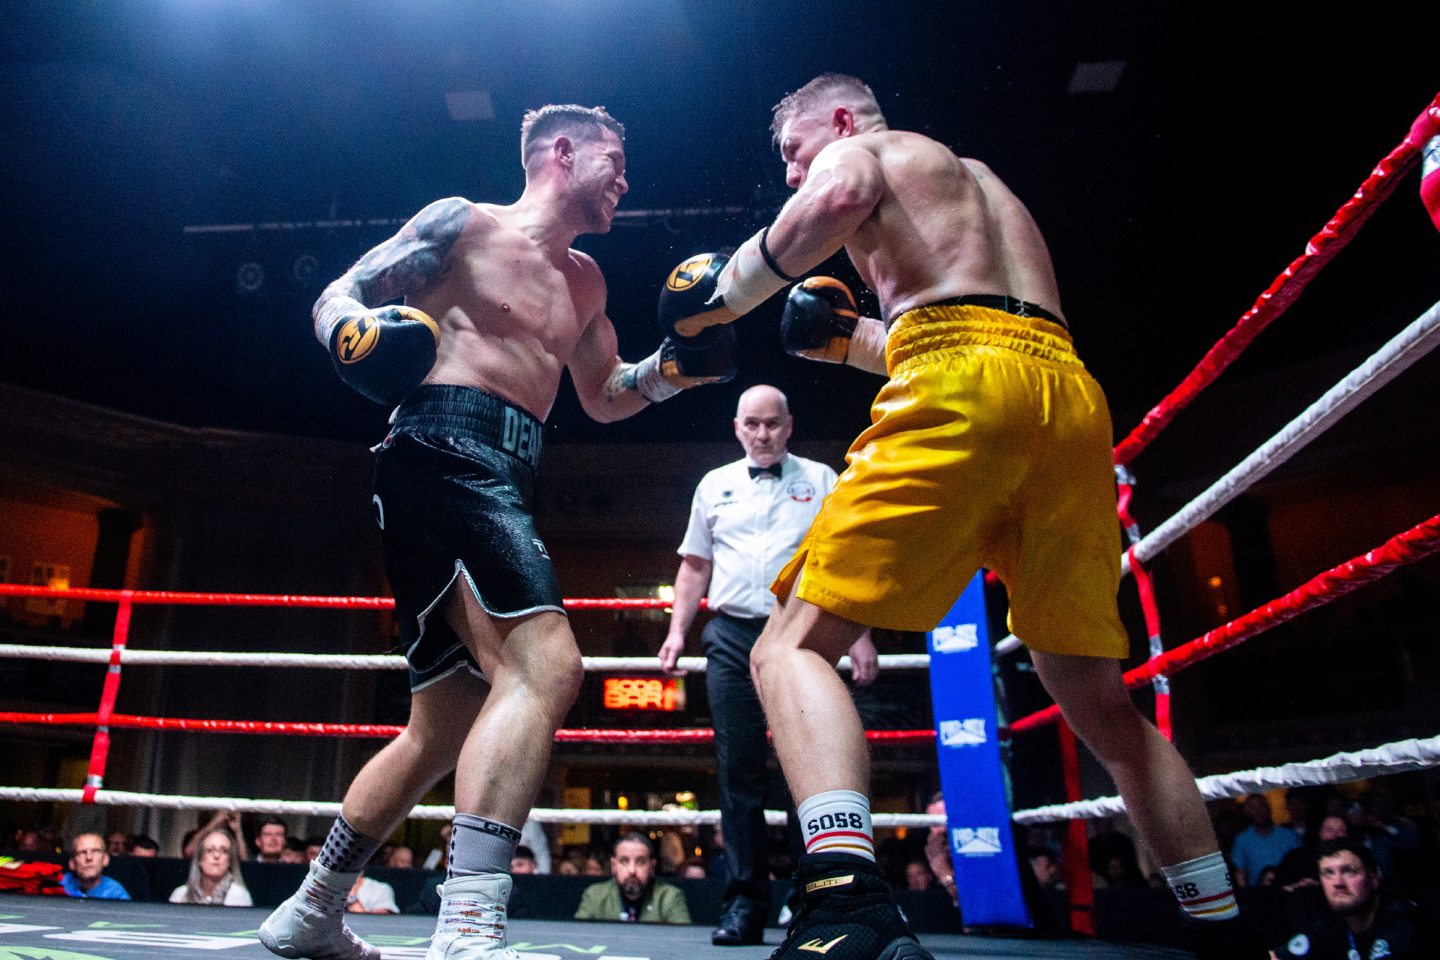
(842,88)
(554,119)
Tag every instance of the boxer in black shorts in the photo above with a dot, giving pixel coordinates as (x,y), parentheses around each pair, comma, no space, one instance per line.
(496,306)
(454,494)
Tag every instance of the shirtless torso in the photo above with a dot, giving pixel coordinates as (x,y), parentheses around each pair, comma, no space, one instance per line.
(919,223)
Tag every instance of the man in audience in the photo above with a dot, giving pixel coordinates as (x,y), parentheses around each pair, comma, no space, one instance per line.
(632,894)
(1354,918)
(143,845)
(88,860)
(523,861)
(1260,845)
(270,841)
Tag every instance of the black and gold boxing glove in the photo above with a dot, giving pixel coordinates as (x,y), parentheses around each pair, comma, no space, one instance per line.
(682,362)
(385,353)
(688,308)
(819,320)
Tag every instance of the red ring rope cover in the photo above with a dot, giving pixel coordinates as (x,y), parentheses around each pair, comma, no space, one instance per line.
(1283,291)
(1418,542)
(292,728)
(285,600)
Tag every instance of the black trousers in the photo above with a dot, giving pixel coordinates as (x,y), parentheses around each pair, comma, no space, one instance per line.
(741,752)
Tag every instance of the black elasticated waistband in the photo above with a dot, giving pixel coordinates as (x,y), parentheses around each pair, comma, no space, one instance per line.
(469,412)
(1001,301)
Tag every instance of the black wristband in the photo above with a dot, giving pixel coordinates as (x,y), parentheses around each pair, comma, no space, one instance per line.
(770,260)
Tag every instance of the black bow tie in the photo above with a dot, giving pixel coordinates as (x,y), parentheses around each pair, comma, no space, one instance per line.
(774,470)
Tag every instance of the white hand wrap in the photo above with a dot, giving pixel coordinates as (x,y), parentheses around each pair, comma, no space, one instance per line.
(650,380)
(746,281)
(333,311)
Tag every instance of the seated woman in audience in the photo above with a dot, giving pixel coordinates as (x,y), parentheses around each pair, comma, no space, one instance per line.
(214,873)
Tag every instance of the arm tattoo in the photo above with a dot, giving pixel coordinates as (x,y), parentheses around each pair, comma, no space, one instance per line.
(622,378)
(409,260)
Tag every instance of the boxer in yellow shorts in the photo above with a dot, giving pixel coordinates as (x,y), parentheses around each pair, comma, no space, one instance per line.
(989,445)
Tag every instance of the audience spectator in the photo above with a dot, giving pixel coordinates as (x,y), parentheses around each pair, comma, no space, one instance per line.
(371,896)
(117,844)
(632,893)
(27,840)
(143,845)
(401,858)
(214,872)
(1260,845)
(523,861)
(693,869)
(1298,869)
(313,844)
(85,878)
(1047,868)
(294,851)
(209,820)
(918,876)
(1112,856)
(270,841)
(937,849)
(1354,918)
(567,868)
(595,866)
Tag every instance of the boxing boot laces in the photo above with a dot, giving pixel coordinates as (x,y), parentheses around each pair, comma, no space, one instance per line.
(846,913)
(311,923)
(471,925)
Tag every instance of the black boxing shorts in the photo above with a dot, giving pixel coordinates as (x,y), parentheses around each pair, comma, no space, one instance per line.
(454,497)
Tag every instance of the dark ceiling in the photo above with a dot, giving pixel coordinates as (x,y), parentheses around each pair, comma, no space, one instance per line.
(1169,202)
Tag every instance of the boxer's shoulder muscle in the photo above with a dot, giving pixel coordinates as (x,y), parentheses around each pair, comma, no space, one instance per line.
(416,256)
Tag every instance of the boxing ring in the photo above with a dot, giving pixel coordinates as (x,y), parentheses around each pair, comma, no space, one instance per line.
(150,930)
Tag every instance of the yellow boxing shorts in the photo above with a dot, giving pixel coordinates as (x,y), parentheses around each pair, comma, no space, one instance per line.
(990,446)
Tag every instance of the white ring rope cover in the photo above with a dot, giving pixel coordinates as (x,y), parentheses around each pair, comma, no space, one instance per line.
(176,658)
(1401,756)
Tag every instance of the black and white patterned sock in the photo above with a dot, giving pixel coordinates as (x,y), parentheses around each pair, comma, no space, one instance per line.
(346,849)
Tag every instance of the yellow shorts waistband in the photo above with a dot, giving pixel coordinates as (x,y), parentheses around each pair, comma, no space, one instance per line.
(932,332)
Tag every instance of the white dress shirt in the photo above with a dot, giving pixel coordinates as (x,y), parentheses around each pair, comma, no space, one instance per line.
(748,528)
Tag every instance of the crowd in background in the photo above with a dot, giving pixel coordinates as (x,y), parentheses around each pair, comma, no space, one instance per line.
(1270,840)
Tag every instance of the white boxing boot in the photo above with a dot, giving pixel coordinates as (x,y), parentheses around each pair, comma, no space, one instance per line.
(471,925)
(311,924)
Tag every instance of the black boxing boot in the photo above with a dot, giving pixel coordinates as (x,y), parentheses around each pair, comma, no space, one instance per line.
(1232,939)
(846,913)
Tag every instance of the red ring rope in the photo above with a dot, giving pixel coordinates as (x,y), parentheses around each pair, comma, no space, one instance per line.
(304,729)
(1284,290)
(1418,542)
(286,600)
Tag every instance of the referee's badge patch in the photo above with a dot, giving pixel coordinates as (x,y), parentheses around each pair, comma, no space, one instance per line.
(801,491)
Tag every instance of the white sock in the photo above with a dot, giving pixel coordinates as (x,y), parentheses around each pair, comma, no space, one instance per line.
(838,821)
(1203,887)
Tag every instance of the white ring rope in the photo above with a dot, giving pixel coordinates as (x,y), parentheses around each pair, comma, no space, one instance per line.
(1390,758)
(175,658)
(308,808)
(1394,358)
(1387,363)
(1401,756)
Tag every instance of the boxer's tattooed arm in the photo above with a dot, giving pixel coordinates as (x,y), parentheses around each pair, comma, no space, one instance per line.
(621,381)
(411,259)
